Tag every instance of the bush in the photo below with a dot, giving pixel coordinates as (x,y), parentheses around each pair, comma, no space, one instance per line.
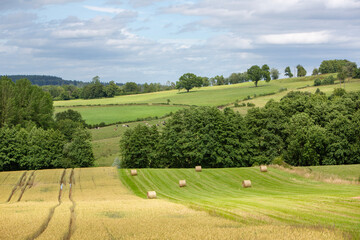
(317,82)
(328,80)
(249,104)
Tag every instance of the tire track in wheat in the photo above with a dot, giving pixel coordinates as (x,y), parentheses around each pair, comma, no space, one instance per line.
(71,228)
(28,183)
(51,211)
(17,185)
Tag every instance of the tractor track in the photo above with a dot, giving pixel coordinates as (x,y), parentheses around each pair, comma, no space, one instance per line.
(28,183)
(44,226)
(71,228)
(17,185)
(5,178)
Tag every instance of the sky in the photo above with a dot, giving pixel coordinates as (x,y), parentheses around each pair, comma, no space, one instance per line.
(159,40)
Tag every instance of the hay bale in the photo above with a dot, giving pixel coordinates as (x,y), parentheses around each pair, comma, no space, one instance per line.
(133,172)
(198,168)
(151,194)
(182,183)
(246,183)
(263,168)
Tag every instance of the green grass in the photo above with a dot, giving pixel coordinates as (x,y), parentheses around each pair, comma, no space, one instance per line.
(352,85)
(105,141)
(113,114)
(346,172)
(205,96)
(275,197)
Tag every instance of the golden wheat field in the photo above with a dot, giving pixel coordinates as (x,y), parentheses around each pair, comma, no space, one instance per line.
(93,204)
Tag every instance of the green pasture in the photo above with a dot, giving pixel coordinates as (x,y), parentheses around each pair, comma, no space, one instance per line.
(276,196)
(105,141)
(352,85)
(205,96)
(126,113)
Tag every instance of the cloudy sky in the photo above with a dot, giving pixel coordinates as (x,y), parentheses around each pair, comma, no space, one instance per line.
(159,40)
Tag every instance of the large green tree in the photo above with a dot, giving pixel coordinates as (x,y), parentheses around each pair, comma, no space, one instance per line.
(255,73)
(188,81)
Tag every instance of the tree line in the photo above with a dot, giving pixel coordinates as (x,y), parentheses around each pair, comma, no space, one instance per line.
(42,80)
(31,138)
(302,129)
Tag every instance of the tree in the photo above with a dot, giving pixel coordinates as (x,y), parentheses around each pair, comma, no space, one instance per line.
(255,73)
(266,73)
(288,72)
(301,72)
(138,147)
(205,82)
(188,81)
(315,72)
(274,73)
(131,87)
(111,89)
(332,66)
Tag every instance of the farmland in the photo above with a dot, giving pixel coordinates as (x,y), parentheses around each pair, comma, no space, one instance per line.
(97,205)
(276,197)
(113,114)
(95,111)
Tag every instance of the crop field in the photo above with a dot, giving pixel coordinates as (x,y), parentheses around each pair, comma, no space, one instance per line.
(276,197)
(94,204)
(205,96)
(113,114)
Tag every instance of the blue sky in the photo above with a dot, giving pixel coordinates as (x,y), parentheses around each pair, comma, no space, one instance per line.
(158,41)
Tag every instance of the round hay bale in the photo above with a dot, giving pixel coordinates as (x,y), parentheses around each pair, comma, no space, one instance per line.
(246,183)
(151,194)
(133,172)
(198,168)
(263,168)
(182,183)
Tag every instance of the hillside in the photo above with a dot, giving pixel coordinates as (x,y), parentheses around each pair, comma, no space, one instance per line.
(276,197)
(225,95)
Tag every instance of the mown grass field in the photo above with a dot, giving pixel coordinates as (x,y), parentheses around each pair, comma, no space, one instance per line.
(275,198)
(96,205)
(113,114)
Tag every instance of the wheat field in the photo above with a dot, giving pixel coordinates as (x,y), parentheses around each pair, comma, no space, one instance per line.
(94,204)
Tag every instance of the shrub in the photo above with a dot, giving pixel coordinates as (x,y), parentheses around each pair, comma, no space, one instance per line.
(249,104)
(317,82)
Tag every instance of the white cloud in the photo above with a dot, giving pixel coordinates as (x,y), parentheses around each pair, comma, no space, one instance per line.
(345,4)
(230,41)
(105,10)
(297,38)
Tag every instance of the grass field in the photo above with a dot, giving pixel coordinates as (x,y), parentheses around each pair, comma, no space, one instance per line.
(96,205)
(113,114)
(343,172)
(106,141)
(353,85)
(205,96)
(102,110)
(276,197)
